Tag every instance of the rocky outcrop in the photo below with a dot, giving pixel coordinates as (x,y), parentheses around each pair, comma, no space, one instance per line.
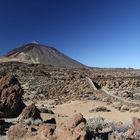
(72,129)
(30,112)
(46,132)
(11,103)
(136,123)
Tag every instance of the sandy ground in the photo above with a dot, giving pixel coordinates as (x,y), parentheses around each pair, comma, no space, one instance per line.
(66,110)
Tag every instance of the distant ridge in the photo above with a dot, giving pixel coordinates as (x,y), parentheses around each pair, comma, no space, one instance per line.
(41,54)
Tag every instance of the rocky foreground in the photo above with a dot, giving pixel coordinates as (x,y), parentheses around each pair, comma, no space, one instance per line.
(20,118)
(30,126)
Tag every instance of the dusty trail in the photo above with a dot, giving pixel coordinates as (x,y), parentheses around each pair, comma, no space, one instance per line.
(134,102)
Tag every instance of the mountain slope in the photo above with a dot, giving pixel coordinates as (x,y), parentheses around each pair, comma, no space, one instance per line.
(37,53)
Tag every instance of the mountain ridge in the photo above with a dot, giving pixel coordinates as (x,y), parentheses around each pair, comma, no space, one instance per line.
(42,54)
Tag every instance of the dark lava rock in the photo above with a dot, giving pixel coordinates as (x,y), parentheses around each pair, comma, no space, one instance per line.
(51,121)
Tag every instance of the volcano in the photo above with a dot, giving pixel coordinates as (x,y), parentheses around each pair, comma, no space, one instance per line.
(41,54)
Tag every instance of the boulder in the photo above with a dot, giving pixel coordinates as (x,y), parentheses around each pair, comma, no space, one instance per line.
(46,132)
(126,94)
(45,110)
(11,104)
(117,105)
(130,133)
(72,129)
(16,132)
(50,121)
(30,112)
(74,121)
(136,123)
(124,108)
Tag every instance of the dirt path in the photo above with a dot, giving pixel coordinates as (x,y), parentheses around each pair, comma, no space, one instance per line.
(134,102)
(83,107)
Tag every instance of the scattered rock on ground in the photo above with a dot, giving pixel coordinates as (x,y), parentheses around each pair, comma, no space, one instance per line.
(124,108)
(134,109)
(117,105)
(136,96)
(100,109)
(72,129)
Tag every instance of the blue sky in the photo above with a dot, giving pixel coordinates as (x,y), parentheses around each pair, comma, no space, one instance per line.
(98,33)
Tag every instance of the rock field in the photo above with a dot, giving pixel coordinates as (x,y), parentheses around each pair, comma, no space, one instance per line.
(24,88)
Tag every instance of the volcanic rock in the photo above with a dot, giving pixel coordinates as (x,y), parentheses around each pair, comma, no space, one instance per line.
(99,109)
(130,133)
(50,121)
(17,131)
(11,103)
(72,129)
(30,112)
(46,132)
(134,109)
(136,123)
(117,105)
(124,108)
(41,54)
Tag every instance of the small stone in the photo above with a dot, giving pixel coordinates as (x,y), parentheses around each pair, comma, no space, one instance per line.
(124,108)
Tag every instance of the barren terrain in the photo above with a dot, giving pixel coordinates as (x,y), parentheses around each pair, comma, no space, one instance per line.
(51,94)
